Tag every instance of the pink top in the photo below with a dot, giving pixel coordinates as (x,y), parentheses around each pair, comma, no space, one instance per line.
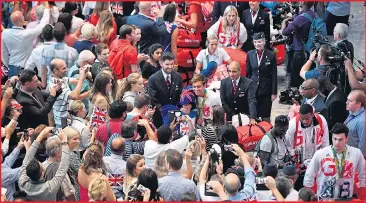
(83,193)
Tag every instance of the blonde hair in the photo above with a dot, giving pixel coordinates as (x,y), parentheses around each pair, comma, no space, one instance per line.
(76,106)
(211,37)
(97,187)
(225,21)
(104,26)
(100,7)
(70,132)
(127,83)
(195,147)
(160,165)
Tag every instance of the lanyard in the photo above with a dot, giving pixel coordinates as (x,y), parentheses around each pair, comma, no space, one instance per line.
(202,105)
(354,116)
(340,166)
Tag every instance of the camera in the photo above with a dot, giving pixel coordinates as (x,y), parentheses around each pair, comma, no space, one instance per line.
(287,95)
(214,156)
(261,183)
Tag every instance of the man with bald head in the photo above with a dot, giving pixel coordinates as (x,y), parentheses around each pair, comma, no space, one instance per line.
(310,91)
(59,71)
(356,120)
(238,94)
(115,163)
(151,30)
(17,43)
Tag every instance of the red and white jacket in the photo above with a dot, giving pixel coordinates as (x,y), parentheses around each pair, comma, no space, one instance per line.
(228,37)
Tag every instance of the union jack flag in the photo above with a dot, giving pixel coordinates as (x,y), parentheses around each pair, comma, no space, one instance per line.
(4,71)
(99,117)
(115,180)
(117,9)
(184,128)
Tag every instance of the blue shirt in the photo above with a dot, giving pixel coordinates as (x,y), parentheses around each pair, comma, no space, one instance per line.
(249,190)
(174,185)
(356,125)
(315,73)
(339,8)
(10,176)
(82,45)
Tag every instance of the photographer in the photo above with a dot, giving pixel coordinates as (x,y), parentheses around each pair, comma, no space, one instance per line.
(272,147)
(36,103)
(322,57)
(340,34)
(59,70)
(353,76)
(203,179)
(299,28)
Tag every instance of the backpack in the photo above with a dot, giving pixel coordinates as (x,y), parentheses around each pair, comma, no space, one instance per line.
(269,134)
(116,59)
(317,26)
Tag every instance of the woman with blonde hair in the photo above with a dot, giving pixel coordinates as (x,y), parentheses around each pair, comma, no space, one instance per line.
(131,87)
(106,30)
(134,165)
(99,8)
(93,167)
(97,190)
(229,30)
(75,161)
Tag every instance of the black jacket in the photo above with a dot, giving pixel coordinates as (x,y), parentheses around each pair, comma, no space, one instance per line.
(244,100)
(34,113)
(261,24)
(264,74)
(336,104)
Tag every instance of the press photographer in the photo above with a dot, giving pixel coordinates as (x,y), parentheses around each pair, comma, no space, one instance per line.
(321,58)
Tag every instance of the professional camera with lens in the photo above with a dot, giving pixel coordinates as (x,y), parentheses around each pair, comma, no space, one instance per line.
(287,95)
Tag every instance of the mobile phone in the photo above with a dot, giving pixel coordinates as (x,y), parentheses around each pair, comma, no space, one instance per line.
(177,114)
(141,188)
(209,191)
(260,183)
(199,132)
(25,135)
(3,191)
(228,147)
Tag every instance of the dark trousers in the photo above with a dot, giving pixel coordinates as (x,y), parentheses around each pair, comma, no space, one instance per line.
(331,21)
(295,64)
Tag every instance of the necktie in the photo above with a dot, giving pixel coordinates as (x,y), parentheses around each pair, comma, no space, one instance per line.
(253,13)
(235,86)
(167,81)
(259,53)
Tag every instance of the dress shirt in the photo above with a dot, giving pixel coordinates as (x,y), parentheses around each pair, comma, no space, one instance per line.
(10,176)
(166,75)
(311,101)
(115,164)
(17,43)
(35,59)
(356,125)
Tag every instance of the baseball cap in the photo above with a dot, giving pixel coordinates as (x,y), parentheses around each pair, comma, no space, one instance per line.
(289,170)
(270,169)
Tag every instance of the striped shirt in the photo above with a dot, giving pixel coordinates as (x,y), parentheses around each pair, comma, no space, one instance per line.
(62,101)
(131,147)
(210,135)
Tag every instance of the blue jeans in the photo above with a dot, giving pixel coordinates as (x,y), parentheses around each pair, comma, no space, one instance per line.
(13,70)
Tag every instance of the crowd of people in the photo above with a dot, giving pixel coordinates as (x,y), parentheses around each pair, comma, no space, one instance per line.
(99,105)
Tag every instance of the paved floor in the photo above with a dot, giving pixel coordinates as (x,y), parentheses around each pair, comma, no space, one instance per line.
(356,36)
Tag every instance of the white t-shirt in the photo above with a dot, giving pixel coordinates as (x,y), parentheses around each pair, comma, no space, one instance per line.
(230,37)
(308,140)
(212,99)
(322,167)
(219,56)
(153,149)
(293,196)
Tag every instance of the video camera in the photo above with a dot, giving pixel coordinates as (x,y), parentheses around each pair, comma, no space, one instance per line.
(287,95)
(282,11)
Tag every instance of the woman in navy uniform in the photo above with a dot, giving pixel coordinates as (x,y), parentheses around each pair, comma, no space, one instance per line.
(262,69)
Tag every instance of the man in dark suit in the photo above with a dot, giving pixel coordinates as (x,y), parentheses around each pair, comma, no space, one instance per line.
(219,8)
(310,91)
(238,94)
(151,31)
(255,20)
(335,101)
(262,69)
(36,104)
(165,86)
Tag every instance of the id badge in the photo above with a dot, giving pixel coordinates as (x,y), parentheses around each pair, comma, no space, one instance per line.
(309,152)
